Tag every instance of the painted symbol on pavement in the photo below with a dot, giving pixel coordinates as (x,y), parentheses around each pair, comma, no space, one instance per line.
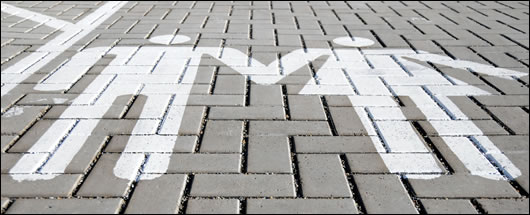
(370,78)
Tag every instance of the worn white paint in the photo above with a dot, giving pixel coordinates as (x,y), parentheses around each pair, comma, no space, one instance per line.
(362,73)
(353,41)
(71,34)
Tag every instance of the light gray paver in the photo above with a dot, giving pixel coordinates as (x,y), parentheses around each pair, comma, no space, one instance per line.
(322,175)
(222,136)
(213,206)
(62,185)
(384,194)
(291,206)
(243,185)
(334,144)
(59,206)
(448,206)
(269,155)
(204,163)
(285,128)
(498,206)
(101,180)
(160,195)
(462,186)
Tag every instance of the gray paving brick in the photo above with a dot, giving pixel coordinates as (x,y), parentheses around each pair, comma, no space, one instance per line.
(213,206)
(306,108)
(510,87)
(269,95)
(448,206)
(216,100)
(503,100)
(462,186)
(470,109)
(258,112)
(61,185)
(280,128)
(384,194)
(291,206)
(230,85)
(515,118)
(8,161)
(6,142)
(268,155)
(243,185)
(222,136)
(160,195)
(323,176)
(19,118)
(101,180)
(204,163)
(366,163)
(346,121)
(334,144)
(59,206)
(497,206)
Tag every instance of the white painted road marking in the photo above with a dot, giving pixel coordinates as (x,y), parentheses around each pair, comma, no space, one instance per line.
(71,34)
(398,136)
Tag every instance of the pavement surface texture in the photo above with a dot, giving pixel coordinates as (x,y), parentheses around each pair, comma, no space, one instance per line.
(264,107)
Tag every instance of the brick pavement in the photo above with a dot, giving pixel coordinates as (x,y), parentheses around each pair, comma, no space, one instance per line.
(264,107)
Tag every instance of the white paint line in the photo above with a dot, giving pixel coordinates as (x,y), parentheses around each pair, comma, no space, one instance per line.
(72,33)
(411,163)
(496,155)
(400,136)
(471,157)
(36,17)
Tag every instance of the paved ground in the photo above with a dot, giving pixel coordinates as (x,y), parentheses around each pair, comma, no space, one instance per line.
(265,107)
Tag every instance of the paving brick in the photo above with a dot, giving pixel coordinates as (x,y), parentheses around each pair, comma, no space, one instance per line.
(346,121)
(268,95)
(462,186)
(6,142)
(496,206)
(510,87)
(448,206)
(58,206)
(268,155)
(515,118)
(475,127)
(222,136)
(323,176)
(190,123)
(101,180)
(279,128)
(8,161)
(468,109)
(213,206)
(503,100)
(383,194)
(290,206)
(243,185)
(181,143)
(258,113)
(62,185)
(306,108)
(230,85)
(18,118)
(201,163)
(355,144)
(160,195)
